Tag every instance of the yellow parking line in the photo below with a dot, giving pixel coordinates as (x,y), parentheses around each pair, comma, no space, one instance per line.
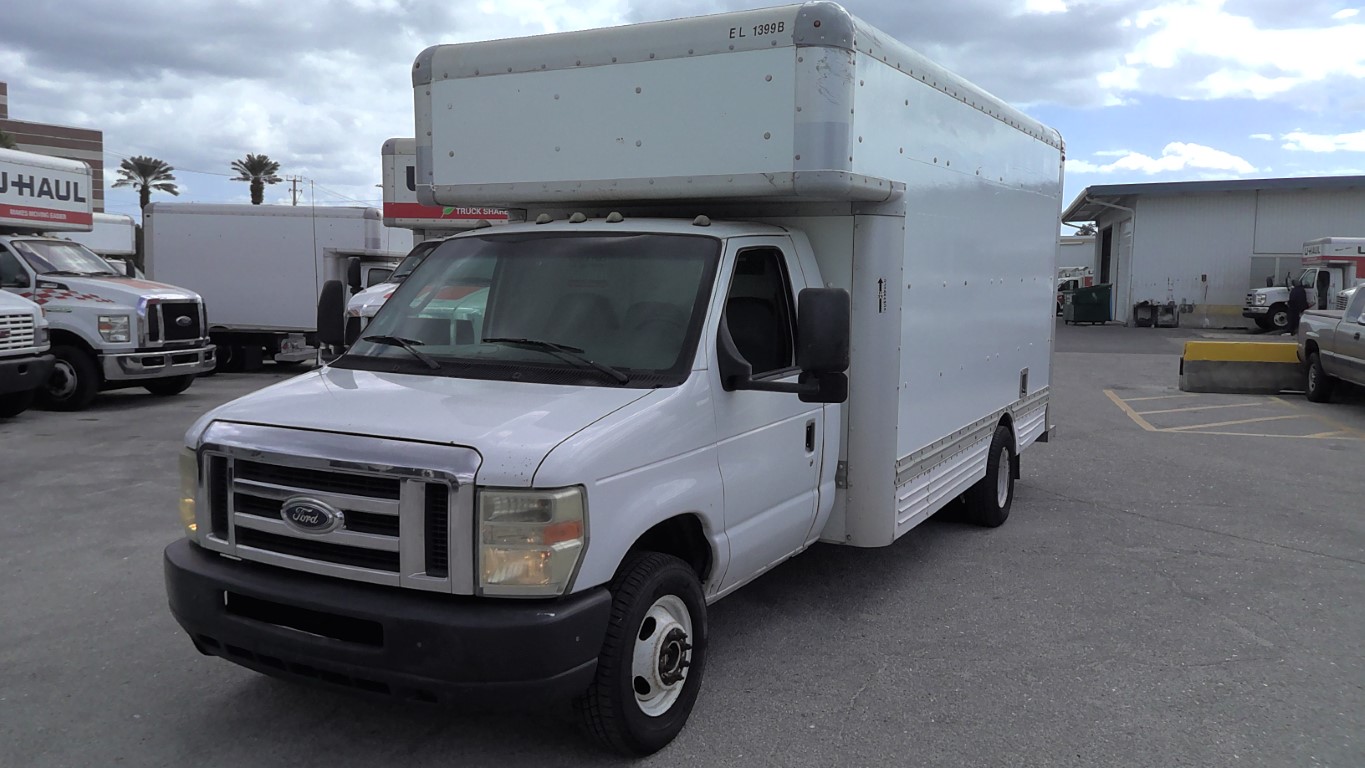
(1326,434)
(1263,434)
(1196,408)
(1230,423)
(1156,397)
(1338,426)
(1132,414)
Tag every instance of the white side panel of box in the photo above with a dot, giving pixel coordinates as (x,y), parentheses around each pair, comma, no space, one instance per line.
(624,121)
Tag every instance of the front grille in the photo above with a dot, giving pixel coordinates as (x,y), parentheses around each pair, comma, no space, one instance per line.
(163,322)
(16,331)
(379,514)
(1341,302)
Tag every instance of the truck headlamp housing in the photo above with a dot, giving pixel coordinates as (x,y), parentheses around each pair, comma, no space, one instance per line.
(530,541)
(116,328)
(1260,299)
(42,335)
(189,489)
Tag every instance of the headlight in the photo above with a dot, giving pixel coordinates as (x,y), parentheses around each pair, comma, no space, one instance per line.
(189,488)
(41,335)
(115,328)
(529,541)
(1260,299)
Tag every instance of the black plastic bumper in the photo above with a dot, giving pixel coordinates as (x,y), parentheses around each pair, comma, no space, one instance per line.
(23,375)
(385,640)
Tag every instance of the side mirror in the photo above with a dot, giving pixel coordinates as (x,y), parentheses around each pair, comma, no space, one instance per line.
(822,351)
(332,314)
(353,274)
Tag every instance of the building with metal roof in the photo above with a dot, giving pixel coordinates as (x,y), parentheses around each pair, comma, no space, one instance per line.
(1202,244)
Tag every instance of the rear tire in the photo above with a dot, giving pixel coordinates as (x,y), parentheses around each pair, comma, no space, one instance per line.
(15,403)
(1320,384)
(74,382)
(989,501)
(651,664)
(172,385)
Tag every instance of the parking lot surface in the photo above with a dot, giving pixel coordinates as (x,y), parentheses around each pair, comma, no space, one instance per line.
(1188,592)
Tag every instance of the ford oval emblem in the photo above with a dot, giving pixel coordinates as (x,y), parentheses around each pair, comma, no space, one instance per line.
(183,321)
(310,515)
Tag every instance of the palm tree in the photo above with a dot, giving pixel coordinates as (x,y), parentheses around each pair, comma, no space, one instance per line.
(7,141)
(146,174)
(259,170)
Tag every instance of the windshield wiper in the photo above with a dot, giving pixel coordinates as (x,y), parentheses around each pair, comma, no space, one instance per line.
(65,273)
(573,354)
(408,344)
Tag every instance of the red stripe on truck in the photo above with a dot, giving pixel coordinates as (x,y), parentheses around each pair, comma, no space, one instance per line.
(437,213)
(48,215)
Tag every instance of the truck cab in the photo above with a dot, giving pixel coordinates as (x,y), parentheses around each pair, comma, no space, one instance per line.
(1332,346)
(25,362)
(378,288)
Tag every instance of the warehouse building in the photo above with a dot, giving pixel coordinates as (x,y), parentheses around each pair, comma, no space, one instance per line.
(1200,245)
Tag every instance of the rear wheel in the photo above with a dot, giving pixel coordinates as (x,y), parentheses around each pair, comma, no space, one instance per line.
(1320,384)
(989,501)
(15,403)
(172,385)
(74,382)
(651,664)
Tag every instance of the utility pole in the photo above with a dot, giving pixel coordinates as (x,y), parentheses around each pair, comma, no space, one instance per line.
(294,188)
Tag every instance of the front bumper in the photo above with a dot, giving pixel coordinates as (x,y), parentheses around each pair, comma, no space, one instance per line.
(1254,311)
(24,374)
(415,645)
(126,366)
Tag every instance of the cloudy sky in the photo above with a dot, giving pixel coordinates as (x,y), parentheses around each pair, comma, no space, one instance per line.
(1142,90)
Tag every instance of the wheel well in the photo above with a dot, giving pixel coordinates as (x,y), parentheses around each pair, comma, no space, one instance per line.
(1309,348)
(1007,421)
(67,338)
(682,537)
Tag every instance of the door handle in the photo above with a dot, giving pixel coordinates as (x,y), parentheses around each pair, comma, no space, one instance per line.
(810,436)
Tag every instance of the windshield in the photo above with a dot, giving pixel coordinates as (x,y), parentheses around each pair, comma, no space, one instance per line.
(605,310)
(47,257)
(418,253)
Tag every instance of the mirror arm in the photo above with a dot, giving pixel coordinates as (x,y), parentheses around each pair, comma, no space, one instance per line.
(799,388)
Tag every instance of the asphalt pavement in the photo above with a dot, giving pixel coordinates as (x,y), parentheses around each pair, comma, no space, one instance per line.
(1181,595)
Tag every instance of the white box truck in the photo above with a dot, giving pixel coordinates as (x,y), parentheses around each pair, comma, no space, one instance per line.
(749,309)
(1331,266)
(427,222)
(108,331)
(25,362)
(260,268)
(112,237)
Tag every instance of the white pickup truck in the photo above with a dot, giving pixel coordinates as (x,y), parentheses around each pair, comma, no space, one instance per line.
(24,359)
(1332,345)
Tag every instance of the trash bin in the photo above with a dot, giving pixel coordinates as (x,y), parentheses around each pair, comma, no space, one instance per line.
(1144,315)
(1088,304)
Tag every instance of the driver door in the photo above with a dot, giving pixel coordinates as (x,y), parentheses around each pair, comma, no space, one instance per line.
(769,443)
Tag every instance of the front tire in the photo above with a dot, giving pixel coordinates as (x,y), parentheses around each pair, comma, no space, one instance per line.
(989,501)
(172,385)
(74,382)
(1320,384)
(1278,317)
(15,403)
(651,664)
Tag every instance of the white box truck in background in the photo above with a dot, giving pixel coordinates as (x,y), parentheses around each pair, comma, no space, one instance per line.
(260,268)
(427,222)
(112,237)
(731,325)
(108,331)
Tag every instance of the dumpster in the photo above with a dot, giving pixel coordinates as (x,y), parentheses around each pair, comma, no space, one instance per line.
(1088,304)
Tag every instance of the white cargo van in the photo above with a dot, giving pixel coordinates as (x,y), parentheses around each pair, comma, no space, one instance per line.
(748,310)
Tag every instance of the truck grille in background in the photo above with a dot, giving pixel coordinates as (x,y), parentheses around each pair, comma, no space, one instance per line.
(246,499)
(16,331)
(167,314)
(1341,302)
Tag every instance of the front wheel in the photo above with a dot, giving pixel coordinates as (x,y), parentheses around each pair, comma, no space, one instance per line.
(15,403)
(171,385)
(74,382)
(989,501)
(651,664)
(1278,317)
(1319,382)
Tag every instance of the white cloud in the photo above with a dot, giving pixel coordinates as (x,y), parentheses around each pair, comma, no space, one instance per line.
(1261,137)
(1346,13)
(1176,156)
(1300,141)
(1044,6)
(1213,53)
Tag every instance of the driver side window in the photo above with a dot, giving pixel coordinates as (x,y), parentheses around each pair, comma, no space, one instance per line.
(11,274)
(758,310)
